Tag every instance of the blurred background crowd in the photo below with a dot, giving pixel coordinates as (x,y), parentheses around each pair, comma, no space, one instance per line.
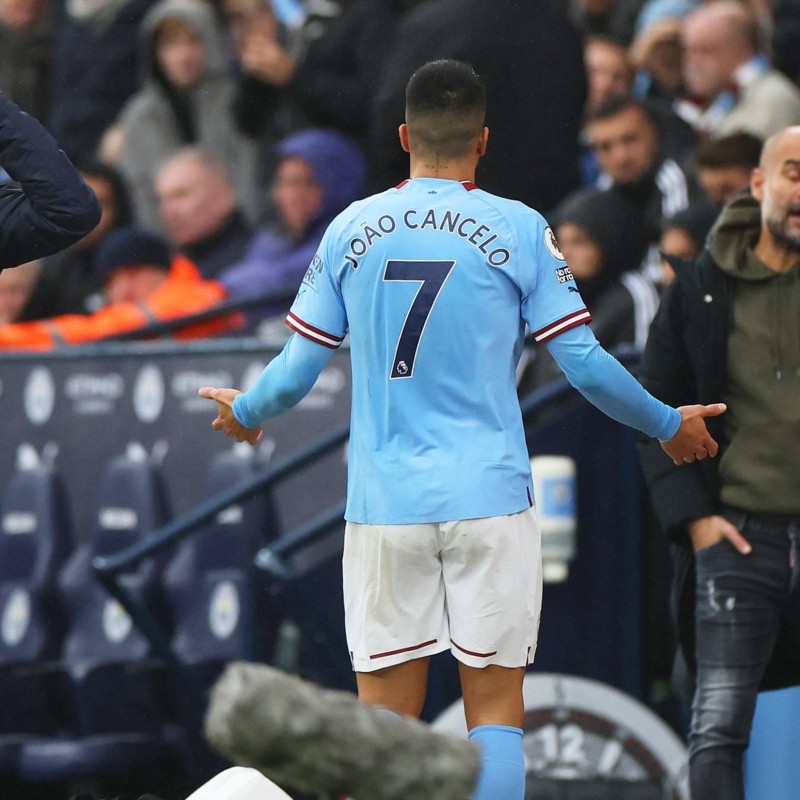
(221,138)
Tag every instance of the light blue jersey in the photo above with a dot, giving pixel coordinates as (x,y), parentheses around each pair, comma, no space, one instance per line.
(435,281)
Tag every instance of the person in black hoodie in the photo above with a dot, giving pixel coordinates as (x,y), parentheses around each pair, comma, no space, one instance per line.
(729,328)
(530,57)
(53,207)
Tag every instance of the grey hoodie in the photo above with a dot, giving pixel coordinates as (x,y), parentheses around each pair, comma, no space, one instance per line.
(151,128)
(760,469)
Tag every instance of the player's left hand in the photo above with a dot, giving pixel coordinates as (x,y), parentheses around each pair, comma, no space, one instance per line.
(225,420)
(693,442)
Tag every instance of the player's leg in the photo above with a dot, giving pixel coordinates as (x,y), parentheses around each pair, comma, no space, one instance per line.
(492,575)
(494,710)
(400,688)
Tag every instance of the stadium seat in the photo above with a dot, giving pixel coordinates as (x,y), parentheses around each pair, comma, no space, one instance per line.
(209,583)
(35,539)
(217,610)
(113,681)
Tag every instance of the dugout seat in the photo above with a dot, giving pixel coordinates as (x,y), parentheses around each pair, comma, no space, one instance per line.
(215,595)
(113,681)
(35,539)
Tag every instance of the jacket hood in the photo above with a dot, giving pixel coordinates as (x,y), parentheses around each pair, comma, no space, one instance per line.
(732,239)
(200,16)
(338,165)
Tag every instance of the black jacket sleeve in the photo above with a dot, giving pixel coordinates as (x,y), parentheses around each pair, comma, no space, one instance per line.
(53,208)
(679,493)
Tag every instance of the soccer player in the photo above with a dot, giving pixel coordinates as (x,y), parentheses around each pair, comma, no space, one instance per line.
(435,281)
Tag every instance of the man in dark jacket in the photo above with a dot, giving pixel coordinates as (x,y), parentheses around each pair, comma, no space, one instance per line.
(54,207)
(729,328)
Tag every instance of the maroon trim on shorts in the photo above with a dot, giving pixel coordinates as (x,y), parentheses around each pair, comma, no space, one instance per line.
(403,649)
(471,652)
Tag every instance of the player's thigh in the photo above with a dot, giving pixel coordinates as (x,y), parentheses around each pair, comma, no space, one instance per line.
(493,581)
(394,594)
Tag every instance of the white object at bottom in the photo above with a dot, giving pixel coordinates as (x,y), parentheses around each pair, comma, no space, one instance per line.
(239,783)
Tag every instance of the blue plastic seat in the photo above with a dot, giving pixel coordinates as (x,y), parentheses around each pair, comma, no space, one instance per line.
(114,684)
(218,608)
(35,539)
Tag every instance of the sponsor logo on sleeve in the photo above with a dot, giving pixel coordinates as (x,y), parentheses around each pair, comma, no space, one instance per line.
(564,275)
(312,274)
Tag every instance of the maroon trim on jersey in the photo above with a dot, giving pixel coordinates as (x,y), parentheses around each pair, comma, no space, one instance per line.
(564,324)
(530,499)
(468,185)
(310,332)
(403,649)
(472,653)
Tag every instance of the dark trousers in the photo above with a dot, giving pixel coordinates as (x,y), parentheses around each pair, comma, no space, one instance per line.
(745,604)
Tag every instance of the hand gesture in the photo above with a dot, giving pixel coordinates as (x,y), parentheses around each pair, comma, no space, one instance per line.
(264,58)
(693,442)
(707,531)
(225,420)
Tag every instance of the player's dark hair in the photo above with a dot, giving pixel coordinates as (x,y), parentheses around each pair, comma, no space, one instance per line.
(445,108)
(740,149)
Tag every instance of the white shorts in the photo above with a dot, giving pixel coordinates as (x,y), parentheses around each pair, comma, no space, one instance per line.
(474,586)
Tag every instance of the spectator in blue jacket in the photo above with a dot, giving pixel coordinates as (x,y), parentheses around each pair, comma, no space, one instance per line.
(52,207)
(319,172)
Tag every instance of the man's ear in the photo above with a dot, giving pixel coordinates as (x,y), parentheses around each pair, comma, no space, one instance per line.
(483,142)
(757,179)
(403,131)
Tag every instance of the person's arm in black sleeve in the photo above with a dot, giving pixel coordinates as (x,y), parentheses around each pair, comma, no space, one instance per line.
(679,494)
(53,208)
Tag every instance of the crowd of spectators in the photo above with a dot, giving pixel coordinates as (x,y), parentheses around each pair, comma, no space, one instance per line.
(233,131)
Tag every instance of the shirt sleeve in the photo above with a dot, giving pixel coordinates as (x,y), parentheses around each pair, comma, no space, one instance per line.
(318,312)
(605,383)
(551,302)
(285,381)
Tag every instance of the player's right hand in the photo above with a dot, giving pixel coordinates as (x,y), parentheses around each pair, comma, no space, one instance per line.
(226,421)
(693,442)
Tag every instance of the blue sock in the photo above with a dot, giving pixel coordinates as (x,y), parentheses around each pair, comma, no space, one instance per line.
(502,775)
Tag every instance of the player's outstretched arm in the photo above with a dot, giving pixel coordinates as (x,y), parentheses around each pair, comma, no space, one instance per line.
(693,442)
(606,384)
(285,381)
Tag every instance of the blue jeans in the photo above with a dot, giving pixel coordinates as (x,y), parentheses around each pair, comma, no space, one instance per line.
(744,605)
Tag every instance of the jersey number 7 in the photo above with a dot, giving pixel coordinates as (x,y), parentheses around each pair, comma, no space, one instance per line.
(431,276)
